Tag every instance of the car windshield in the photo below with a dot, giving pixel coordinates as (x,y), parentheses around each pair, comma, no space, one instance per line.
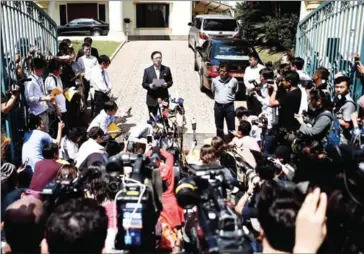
(226,50)
(220,25)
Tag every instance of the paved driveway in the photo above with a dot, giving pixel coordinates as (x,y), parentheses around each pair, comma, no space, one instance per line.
(127,69)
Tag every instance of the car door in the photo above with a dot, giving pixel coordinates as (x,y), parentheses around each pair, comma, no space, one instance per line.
(69,28)
(85,26)
(201,59)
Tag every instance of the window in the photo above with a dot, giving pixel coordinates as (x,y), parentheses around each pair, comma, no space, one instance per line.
(152,15)
(220,25)
(102,12)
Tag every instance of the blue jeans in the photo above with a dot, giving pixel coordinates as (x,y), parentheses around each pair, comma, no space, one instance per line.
(269,138)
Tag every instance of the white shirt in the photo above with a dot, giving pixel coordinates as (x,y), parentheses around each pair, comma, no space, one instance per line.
(86,149)
(250,74)
(157,71)
(102,120)
(50,85)
(87,63)
(69,146)
(97,80)
(303,75)
(34,91)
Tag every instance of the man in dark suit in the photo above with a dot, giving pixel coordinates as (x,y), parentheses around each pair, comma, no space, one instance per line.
(156,71)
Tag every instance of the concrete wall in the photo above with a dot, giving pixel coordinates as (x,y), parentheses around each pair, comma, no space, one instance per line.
(179,15)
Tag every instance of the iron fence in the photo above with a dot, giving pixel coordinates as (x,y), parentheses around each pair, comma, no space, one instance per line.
(330,36)
(25,27)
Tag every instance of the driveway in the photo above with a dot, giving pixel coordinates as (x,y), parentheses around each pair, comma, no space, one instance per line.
(127,69)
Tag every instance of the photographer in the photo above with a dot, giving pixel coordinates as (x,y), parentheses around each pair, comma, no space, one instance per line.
(344,106)
(321,118)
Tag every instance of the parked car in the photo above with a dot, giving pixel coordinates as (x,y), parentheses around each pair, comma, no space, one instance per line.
(92,27)
(206,27)
(234,52)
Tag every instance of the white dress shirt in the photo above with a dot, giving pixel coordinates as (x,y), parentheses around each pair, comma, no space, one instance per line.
(250,74)
(157,71)
(87,63)
(97,80)
(34,91)
(102,120)
(87,148)
(50,85)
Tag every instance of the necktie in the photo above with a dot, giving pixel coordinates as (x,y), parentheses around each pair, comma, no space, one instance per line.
(103,76)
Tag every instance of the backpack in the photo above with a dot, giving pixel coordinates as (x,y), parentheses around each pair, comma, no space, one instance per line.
(334,134)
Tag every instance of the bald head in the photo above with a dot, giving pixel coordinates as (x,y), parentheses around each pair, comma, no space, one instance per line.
(24,224)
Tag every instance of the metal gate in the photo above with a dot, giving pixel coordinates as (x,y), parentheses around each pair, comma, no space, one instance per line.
(24,26)
(330,36)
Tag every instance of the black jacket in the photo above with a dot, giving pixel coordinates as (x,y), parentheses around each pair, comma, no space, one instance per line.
(153,95)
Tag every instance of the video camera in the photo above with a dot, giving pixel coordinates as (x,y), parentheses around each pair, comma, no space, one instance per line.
(17,86)
(222,229)
(138,201)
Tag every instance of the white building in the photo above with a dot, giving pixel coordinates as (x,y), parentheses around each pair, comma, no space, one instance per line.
(155,19)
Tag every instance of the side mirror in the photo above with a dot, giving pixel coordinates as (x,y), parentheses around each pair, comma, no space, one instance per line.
(189,24)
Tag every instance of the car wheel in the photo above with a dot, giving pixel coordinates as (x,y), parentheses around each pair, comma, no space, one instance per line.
(96,33)
(202,87)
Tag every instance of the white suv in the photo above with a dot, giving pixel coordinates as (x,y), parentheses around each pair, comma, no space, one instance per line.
(205,27)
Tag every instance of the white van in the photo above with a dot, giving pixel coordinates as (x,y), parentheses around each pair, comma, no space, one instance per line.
(205,27)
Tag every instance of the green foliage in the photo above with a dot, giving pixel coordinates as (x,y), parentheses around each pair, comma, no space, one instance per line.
(269,24)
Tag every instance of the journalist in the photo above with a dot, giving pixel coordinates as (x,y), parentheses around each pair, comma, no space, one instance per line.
(344,106)
(320,119)
(224,89)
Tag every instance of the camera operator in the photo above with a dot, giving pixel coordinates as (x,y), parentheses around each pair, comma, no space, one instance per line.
(358,120)
(344,106)
(289,105)
(171,214)
(320,119)
(321,78)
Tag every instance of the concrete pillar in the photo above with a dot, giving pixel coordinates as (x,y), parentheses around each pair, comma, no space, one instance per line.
(116,20)
(52,11)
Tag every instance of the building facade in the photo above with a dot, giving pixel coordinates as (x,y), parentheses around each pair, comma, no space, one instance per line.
(148,19)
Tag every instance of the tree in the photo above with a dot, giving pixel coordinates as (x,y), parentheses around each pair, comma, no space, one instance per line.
(269,23)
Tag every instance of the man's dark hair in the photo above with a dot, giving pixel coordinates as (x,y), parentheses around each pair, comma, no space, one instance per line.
(110,105)
(77,226)
(278,206)
(62,46)
(267,73)
(282,68)
(86,44)
(241,111)
(224,65)
(253,55)
(154,53)
(24,225)
(54,65)
(49,150)
(95,132)
(75,133)
(104,59)
(265,169)
(323,96)
(292,77)
(245,127)
(67,41)
(345,79)
(34,122)
(88,40)
(298,62)
(38,63)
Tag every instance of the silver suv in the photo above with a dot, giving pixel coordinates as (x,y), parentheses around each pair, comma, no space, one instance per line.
(206,27)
